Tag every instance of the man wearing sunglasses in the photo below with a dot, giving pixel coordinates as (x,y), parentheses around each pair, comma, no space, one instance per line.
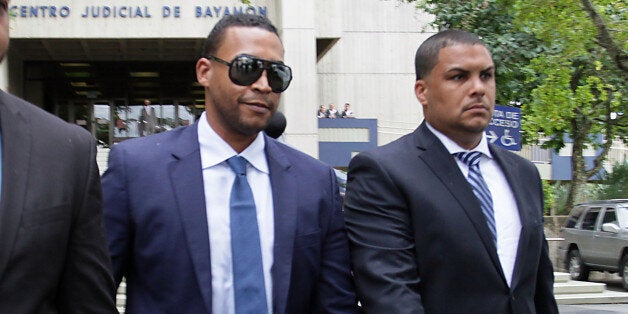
(218,217)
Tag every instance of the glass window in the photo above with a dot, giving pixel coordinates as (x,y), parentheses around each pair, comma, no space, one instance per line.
(588,222)
(622,214)
(609,216)
(574,216)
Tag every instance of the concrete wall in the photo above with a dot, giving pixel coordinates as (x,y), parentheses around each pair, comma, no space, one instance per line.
(371,66)
(297,23)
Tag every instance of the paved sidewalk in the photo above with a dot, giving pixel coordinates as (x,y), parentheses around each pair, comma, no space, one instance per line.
(594,309)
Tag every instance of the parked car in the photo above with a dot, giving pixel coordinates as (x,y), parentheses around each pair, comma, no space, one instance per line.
(596,239)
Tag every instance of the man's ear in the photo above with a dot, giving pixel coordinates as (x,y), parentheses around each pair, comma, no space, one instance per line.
(421,90)
(203,66)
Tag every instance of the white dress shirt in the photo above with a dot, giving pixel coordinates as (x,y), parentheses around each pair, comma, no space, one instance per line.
(507,220)
(217,180)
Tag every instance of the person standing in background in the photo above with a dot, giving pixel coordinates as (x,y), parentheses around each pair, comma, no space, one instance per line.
(332,113)
(144,122)
(322,112)
(347,113)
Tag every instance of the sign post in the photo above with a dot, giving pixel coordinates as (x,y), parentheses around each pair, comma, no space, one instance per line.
(504,128)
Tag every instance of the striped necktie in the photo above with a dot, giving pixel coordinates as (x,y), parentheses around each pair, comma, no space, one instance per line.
(480,189)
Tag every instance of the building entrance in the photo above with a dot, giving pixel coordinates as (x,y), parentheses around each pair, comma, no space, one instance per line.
(101,85)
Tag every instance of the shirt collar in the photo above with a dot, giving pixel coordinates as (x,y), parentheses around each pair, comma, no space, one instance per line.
(214,150)
(453,148)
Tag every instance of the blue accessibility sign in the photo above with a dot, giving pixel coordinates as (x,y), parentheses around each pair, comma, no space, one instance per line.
(504,128)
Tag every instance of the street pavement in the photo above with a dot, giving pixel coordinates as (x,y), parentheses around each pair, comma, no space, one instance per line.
(594,309)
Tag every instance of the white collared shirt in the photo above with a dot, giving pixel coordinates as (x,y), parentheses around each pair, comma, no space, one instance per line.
(507,220)
(217,181)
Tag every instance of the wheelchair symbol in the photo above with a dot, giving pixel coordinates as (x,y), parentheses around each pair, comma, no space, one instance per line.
(506,139)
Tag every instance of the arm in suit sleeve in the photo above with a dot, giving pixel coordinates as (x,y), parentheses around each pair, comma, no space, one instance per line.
(544,300)
(335,291)
(381,239)
(116,212)
(87,285)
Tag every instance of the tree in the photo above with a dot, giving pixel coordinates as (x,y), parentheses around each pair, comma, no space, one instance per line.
(580,84)
(616,183)
(564,61)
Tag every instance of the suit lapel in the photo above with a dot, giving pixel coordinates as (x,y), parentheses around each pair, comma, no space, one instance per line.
(187,181)
(16,156)
(444,167)
(285,196)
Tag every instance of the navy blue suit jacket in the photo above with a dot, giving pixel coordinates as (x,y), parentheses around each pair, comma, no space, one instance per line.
(419,240)
(156,225)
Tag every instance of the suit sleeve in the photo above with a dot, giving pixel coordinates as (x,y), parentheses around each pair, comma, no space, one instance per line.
(116,212)
(87,285)
(544,299)
(381,241)
(335,291)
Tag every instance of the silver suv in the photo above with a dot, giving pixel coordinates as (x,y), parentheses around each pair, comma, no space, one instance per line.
(596,238)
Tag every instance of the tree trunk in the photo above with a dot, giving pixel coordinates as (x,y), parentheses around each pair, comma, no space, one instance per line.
(578,173)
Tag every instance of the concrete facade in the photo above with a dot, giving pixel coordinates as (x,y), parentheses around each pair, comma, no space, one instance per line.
(342,51)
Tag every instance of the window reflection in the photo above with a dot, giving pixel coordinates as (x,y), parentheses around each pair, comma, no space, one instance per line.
(140,120)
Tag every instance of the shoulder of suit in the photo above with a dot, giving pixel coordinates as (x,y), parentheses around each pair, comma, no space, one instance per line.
(401,145)
(296,157)
(510,156)
(40,121)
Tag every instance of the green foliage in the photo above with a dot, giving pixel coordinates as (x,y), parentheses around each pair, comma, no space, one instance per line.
(577,85)
(616,183)
(493,21)
(565,62)
(560,192)
(549,197)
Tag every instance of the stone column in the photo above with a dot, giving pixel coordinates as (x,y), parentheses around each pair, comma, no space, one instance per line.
(296,22)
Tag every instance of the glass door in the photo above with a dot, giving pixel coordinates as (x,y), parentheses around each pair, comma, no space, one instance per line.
(101,122)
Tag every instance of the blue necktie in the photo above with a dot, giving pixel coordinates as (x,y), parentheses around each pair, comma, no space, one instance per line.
(248,273)
(480,189)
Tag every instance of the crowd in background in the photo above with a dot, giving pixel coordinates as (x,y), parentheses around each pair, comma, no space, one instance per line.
(332,112)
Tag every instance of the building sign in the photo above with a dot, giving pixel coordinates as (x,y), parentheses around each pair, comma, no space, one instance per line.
(124,18)
(107,11)
(504,128)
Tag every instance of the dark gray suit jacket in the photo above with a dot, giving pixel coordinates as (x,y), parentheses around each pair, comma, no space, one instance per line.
(53,252)
(419,242)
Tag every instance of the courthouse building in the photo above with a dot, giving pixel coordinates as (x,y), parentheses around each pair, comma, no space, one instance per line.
(93,62)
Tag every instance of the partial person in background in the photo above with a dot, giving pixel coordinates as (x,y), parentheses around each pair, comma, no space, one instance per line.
(439,220)
(332,113)
(217,217)
(322,112)
(53,252)
(347,112)
(142,123)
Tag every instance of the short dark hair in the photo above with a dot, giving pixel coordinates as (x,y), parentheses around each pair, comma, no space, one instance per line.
(427,55)
(217,34)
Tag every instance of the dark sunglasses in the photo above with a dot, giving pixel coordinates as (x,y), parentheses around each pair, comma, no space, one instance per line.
(245,70)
